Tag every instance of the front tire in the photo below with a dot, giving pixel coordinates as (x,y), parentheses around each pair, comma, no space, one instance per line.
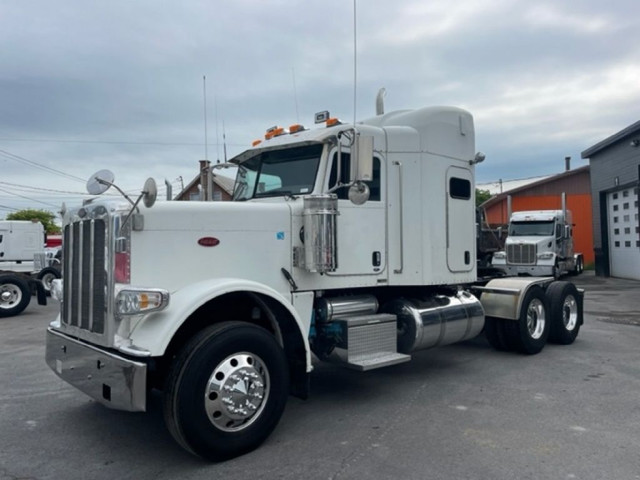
(15,295)
(530,332)
(565,311)
(226,390)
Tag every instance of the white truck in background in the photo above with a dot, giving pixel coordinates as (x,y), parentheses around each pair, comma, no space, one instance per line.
(540,243)
(25,265)
(352,244)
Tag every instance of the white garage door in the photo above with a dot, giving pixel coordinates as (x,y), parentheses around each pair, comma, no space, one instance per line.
(624,236)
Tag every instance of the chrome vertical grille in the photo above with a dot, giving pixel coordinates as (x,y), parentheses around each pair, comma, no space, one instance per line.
(85,273)
(521,254)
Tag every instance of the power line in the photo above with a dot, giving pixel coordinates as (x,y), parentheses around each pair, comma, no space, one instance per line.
(20,159)
(113,142)
(28,198)
(29,188)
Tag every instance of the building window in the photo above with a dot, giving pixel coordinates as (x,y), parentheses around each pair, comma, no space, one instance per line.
(625,218)
(616,231)
(627,230)
(627,243)
(615,208)
(625,206)
(615,219)
(616,243)
(615,196)
(625,193)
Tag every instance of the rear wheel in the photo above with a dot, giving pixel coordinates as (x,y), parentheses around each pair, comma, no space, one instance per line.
(530,332)
(226,390)
(565,312)
(15,295)
(579,266)
(47,276)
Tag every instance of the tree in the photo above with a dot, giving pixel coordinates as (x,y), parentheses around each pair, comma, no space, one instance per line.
(45,217)
(482,196)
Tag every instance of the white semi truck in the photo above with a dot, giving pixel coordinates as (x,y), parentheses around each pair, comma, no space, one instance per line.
(352,244)
(25,265)
(540,243)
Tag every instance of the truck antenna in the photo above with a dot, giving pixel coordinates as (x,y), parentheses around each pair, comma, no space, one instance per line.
(355,64)
(204,94)
(224,143)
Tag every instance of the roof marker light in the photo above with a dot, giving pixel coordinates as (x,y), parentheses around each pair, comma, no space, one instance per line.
(255,143)
(333,121)
(296,127)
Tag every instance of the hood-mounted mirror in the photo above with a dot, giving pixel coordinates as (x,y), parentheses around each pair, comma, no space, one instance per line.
(149,193)
(100,182)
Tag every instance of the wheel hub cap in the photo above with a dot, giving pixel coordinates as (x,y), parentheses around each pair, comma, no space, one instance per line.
(570,312)
(236,392)
(536,319)
(8,296)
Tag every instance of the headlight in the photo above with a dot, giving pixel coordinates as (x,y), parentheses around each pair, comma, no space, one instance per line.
(133,301)
(545,256)
(499,255)
(56,289)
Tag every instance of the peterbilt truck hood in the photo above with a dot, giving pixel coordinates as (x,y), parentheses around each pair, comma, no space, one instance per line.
(186,242)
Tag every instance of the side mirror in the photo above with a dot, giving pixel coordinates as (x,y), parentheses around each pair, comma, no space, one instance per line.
(567,231)
(362,167)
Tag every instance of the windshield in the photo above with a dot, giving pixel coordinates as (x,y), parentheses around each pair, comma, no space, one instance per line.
(523,229)
(291,171)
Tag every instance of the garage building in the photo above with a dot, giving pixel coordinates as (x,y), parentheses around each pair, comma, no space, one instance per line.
(615,177)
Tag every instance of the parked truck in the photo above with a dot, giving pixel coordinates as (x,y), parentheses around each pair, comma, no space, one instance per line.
(25,265)
(540,243)
(352,244)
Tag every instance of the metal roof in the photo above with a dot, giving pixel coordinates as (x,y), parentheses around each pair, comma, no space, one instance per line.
(607,142)
(552,178)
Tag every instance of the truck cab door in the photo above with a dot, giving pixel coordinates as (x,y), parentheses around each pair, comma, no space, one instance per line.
(360,228)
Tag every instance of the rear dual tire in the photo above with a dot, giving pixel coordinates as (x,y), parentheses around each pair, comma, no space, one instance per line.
(555,316)
(565,307)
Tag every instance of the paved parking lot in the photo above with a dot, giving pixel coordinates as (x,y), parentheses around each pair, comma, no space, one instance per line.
(459,412)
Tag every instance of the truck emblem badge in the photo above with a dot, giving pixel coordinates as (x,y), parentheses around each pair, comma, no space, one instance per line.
(280,236)
(208,241)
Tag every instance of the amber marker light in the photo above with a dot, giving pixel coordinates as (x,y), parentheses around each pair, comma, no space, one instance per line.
(296,128)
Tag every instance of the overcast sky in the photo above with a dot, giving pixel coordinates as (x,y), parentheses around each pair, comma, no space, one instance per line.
(119,85)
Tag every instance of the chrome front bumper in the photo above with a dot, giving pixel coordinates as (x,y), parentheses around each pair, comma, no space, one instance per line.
(112,380)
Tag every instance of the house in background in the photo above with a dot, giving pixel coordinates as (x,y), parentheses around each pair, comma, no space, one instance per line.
(546,194)
(221,186)
(615,178)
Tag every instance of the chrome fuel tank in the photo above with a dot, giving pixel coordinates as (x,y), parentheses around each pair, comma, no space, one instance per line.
(436,320)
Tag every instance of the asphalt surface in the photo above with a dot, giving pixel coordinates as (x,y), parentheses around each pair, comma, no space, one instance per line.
(458,412)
